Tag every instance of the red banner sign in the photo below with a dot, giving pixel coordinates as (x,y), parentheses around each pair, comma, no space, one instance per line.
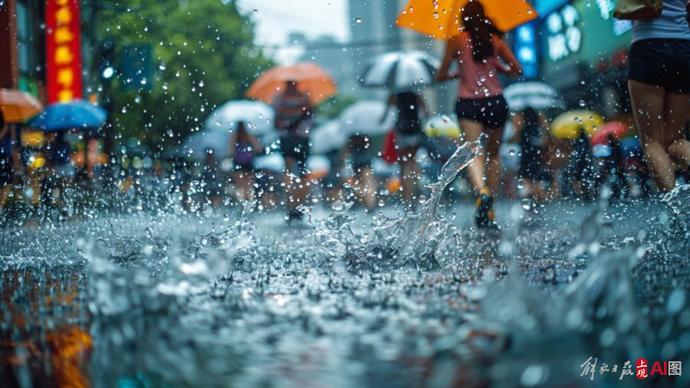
(63,51)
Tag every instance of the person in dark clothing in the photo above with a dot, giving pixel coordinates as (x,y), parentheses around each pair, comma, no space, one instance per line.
(359,148)
(9,159)
(293,120)
(614,170)
(408,137)
(211,179)
(579,170)
(531,169)
(61,171)
(243,149)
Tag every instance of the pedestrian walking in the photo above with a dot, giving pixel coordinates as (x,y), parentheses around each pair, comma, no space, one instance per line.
(212,184)
(481,54)
(243,150)
(60,170)
(408,137)
(9,159)
(579,174)
(531,134)
(659,84)
(364,184)
(293,119)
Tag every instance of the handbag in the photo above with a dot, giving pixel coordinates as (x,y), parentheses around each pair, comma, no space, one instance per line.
(389,153)
(638,9)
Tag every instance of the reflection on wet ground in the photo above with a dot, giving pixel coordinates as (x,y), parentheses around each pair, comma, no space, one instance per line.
(230,300)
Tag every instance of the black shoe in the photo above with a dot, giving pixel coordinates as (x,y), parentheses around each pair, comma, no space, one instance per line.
(484,217)
(295,215)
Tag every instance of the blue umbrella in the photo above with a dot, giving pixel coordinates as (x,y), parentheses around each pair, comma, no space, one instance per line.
(69,115)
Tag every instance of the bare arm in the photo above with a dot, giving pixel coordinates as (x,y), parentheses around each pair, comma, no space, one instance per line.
(448,56)
(506,54)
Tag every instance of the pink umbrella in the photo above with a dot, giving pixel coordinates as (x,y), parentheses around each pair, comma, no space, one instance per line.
(617,129)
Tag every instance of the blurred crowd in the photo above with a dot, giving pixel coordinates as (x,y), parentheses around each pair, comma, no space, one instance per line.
(377,152)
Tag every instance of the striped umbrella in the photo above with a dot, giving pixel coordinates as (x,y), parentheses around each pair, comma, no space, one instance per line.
(400,70)
(536,95)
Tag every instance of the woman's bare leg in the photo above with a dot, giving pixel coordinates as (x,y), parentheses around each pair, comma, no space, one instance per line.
(648,103)
(409,172)
(676,114)
(472,131)
(493,159)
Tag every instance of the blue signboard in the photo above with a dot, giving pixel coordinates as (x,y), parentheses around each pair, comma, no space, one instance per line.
(545,7)
(526,50)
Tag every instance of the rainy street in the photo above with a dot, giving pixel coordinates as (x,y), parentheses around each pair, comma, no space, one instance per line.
(344,193)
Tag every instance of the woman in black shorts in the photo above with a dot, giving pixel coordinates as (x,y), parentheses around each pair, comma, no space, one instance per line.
(659,84)
(481,55)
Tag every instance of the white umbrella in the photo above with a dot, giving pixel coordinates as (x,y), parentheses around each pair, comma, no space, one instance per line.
(327,137)
(401,70)
(258,116)
(536,95)
(272,162)
(365,117)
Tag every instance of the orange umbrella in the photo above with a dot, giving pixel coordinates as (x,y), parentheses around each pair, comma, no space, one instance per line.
(440,19)
(17,106)
(311,79)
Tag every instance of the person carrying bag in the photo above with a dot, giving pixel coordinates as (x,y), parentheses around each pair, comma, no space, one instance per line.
(638,9)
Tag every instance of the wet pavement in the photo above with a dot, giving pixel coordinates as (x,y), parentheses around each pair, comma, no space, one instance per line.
(231,299)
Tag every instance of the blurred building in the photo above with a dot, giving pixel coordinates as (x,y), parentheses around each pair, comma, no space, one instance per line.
(373,32)
(583,53)
(24,45)
(332,55)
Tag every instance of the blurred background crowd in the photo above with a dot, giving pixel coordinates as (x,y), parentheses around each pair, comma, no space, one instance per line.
(118,111)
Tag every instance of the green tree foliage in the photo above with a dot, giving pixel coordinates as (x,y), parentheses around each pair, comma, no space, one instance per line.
(202,56)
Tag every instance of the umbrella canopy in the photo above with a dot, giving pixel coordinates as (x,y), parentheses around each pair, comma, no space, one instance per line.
(440,19)
(400,70)
(364,117)
(311,79)
(197,144)
(567,126)
(327,137)
(77,114)
(272,162)
(17,106)
(616,129)
(536,95)
(256,114)
(442,126)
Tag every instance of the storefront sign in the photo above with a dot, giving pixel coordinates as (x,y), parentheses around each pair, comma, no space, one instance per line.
(545,7)
(63,51)
(526,50)
(564,33)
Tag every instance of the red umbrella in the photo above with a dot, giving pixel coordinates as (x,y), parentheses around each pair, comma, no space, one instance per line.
(617,129)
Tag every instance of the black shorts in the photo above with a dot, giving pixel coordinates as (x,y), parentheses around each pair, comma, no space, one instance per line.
(661,62)
(297,149)
(491,112)
(244,167)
